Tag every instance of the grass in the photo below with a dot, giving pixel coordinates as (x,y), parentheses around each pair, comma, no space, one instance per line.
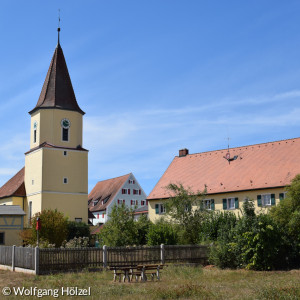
(176,283)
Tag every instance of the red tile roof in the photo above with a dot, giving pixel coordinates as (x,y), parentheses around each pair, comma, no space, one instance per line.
(105,190)
(257,166)
(96,229)
(15,186)
(57,91)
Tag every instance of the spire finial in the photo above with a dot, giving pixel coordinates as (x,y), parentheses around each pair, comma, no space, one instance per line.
(58,28)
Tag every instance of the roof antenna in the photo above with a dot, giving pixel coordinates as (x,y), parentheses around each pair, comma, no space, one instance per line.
(228,154)
(58,27)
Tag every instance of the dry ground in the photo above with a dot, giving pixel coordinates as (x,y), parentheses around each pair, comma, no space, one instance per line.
(176,283)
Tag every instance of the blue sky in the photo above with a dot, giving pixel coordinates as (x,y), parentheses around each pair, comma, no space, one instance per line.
(154,77)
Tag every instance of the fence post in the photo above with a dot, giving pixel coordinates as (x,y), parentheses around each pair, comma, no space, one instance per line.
(162,254)
(13,257)
(104,257)
(37,260)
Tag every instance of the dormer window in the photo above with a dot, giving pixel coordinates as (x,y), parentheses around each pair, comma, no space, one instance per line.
(65,124)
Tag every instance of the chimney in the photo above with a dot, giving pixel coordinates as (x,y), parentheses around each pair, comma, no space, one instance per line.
(183,152)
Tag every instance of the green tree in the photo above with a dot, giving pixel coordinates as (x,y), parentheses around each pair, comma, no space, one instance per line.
(287,215)
(185,209)
(120,229)
(53,228)
(142,224)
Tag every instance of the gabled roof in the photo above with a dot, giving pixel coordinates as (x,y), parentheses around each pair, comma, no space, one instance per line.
(15,210)
(57,91)
(106,190)
(15,186)
(259,166)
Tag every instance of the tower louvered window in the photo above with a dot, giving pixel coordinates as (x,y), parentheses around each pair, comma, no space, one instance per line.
(65,134)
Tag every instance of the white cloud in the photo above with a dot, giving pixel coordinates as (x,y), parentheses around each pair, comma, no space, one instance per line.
(145,141)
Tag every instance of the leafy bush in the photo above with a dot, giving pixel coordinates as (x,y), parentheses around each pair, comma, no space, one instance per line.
(162,232)
(142,224)
(214,224)
(80,242)
(53,228)
(254,242)
(78,229)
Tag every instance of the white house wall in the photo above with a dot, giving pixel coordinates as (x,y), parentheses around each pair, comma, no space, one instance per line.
(126,197)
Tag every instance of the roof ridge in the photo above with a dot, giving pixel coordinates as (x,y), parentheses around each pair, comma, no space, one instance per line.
(115,177)
(226,149)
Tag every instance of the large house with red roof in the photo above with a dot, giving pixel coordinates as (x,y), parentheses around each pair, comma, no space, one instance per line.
(115,191)
(259,172)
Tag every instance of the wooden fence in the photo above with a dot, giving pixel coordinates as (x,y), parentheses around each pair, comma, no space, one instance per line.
(53,260)
(18,257)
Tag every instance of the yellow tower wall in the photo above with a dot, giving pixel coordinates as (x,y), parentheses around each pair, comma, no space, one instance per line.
(49,127)
(72,205)
(57,166)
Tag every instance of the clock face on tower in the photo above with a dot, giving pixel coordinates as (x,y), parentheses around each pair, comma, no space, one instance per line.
(65,123)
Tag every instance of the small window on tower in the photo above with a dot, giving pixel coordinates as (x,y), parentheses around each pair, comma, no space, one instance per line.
(65,124)
(65,134)
(65,180)
(34,131)
(65,153)
(34,136)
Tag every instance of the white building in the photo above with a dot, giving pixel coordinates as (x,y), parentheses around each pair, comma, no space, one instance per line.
(124,189)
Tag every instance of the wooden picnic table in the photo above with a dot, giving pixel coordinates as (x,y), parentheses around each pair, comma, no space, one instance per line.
(136,270)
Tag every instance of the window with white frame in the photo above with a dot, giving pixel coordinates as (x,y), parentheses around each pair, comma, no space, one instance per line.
(131,181)
(266,199)
(126,191)
(136,192)
(144,202)
(160,209)
(230,203)
(121,201)
(78,220)
(207,204)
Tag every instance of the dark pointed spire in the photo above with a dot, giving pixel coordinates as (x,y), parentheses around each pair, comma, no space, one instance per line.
(57,91)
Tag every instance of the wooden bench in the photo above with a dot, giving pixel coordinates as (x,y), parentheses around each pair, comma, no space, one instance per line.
(152,270)
(139,271)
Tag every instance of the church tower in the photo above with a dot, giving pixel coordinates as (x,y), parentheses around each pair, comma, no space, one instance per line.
(56,166)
